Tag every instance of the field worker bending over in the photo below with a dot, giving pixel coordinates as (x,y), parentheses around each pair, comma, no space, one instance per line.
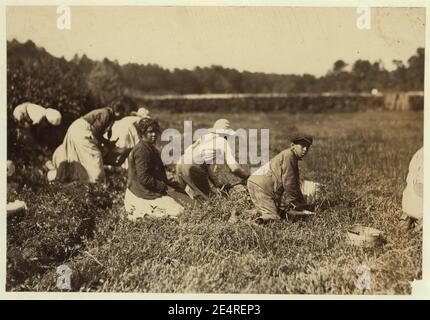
(79,158)
(278,179)
(147,186)
(195,176)
(30,116)
(412,200)
(125,134)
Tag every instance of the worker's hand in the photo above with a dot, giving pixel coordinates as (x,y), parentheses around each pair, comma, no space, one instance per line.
(26,123)
(304,206)
(237,170)
(283,207)
(20,134)
(244,181)
(226,187)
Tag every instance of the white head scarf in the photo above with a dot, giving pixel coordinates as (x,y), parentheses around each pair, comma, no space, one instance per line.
(30,110)
(20,112)
(53,116)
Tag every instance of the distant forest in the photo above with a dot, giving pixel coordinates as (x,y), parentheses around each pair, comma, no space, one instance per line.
(32,71)
(77,86)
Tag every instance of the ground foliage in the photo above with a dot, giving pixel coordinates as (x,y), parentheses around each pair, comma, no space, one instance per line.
(361,157)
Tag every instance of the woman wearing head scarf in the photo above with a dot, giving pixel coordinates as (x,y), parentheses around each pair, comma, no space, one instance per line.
(125,134)
(32,118)
(79,157)
(29,114)
(193,169)
(147,187)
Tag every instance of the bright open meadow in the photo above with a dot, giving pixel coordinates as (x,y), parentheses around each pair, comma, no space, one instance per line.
(362,157)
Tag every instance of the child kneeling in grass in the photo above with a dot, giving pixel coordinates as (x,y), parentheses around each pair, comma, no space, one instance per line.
(149,193)
(279,179)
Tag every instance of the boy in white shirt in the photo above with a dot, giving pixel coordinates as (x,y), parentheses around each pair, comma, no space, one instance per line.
(193,169)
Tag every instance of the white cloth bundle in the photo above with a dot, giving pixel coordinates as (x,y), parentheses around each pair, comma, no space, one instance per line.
(15,207)
(311,189)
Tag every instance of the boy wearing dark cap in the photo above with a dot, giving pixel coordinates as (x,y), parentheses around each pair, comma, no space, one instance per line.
(279,179)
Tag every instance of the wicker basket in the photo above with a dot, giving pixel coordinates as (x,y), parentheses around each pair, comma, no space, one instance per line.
(365,236)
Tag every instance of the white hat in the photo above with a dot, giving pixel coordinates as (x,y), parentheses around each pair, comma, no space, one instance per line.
(142,112)
(53,116)
(10,168)
(222,126)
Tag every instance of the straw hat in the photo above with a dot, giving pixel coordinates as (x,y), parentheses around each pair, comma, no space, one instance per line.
(142,112)
(222,126)
(53,116)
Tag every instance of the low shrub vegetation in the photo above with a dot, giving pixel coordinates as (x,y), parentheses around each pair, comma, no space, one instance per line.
(361,157)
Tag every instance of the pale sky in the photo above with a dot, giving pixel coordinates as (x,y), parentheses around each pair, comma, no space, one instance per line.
(284,40)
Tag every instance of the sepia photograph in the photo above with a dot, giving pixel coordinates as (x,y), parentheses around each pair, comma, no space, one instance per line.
(215,149)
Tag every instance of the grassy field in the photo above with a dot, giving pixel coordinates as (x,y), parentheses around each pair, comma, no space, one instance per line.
(361,157)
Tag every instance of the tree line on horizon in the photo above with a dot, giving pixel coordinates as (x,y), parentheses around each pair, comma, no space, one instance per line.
(79,85)
(100,81)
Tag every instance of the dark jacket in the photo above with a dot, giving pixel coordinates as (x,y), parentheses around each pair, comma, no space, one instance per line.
(146,174)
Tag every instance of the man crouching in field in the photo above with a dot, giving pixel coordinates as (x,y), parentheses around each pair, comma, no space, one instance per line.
(280,175)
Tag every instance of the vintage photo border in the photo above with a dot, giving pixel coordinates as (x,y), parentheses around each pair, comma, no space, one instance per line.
(420,289)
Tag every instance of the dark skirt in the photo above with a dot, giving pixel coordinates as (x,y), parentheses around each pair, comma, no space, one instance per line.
(196,177)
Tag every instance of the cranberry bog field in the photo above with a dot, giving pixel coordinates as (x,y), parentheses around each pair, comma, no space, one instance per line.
(361,157)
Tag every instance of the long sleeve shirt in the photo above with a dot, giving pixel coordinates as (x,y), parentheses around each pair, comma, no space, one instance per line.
(280,177)
(125,131)
(146,174)
(209,149)
(101,121)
